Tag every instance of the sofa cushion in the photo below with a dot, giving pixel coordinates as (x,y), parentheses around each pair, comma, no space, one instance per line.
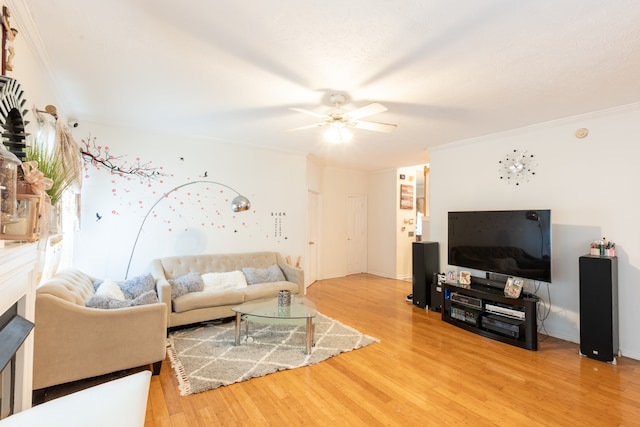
(104,301)
(191,282)
(224,281)
(263,275)
(268,290)
(206,299)
(110,289)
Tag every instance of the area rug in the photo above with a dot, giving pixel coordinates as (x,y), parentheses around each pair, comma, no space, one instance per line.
(205,357)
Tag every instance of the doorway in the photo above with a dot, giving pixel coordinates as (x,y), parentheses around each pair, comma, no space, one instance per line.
(356,234)
(313,206)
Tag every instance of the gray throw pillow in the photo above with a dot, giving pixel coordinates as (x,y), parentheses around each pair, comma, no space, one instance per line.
(137,286)
(191,282)
(263,275)
(103,301)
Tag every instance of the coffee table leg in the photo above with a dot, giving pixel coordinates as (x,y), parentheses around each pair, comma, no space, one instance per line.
(309,334)
(238,316)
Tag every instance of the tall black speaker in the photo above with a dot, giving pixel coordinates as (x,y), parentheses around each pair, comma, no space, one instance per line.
(426,263)
(599,307)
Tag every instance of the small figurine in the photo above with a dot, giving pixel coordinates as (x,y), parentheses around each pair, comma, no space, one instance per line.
(9,37)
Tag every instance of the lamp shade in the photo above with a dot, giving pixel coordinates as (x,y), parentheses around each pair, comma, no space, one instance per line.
(338,134)
(240,203)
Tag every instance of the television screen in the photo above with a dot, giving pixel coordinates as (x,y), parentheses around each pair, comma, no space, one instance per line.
(512,243)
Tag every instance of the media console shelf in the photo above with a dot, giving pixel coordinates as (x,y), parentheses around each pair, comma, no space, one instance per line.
(484,310)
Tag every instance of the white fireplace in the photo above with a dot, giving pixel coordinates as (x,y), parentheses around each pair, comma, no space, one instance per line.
(17,293)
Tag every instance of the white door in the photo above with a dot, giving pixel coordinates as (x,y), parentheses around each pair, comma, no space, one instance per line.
(311,271)
(356,234)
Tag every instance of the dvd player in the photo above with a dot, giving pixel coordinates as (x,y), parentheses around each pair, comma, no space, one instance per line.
(465,315)
(466,300)
(511,312)
(503,325)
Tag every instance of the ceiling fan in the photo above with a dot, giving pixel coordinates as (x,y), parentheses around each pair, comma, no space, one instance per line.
(339,121)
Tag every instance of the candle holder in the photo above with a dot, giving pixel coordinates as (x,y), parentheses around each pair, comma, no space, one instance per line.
(284,298)
(24,225)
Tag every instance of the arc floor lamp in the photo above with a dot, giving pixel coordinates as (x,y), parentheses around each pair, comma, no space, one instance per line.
(238,204)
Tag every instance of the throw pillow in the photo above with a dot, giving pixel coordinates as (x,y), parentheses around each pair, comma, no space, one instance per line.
(191,282)
(110,289)
(137,286)
(263,275)
(149,297)
(106,302)
(223,281)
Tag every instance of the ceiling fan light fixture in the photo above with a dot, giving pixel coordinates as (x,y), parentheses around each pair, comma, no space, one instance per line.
(338,134)
(337,120)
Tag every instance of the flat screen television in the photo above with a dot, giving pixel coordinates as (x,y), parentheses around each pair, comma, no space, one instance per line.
(511,243)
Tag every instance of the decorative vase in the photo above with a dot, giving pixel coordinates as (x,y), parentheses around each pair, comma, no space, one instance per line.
(8,182)
(284,298)
(55,219)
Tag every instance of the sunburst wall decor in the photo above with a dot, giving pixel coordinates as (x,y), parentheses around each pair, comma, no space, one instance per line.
(517,167)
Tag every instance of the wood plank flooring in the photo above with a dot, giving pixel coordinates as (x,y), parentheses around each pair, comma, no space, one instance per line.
(423,372)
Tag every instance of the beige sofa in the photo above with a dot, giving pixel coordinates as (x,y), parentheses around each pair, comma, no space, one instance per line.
(210,304)
(74,342)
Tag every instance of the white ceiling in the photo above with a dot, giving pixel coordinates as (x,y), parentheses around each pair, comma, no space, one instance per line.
(230,71)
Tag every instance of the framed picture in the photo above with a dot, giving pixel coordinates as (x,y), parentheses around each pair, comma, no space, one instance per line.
(465,278)
(452,276)
(406,196)
(513,288)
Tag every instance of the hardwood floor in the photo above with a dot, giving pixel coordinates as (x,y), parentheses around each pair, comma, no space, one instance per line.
(423,372)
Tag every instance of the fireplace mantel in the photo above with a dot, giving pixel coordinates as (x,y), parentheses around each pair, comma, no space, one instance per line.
(17,285)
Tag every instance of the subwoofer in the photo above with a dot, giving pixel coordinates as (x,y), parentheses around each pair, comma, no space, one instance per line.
(426,264)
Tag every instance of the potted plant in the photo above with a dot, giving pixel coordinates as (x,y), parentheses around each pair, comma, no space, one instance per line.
(52,167)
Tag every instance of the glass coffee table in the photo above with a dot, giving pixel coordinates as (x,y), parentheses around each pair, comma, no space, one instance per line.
(300,309)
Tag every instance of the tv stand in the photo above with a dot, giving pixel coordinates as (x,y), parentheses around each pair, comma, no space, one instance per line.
(483,309)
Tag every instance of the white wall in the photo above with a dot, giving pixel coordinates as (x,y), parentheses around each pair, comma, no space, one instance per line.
(383,207)
(196,219)
(405,225)
(31,73)
(590,185)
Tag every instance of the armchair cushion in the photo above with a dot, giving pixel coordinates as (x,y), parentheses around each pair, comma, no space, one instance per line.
(106,301)
(137,286)
(110,289)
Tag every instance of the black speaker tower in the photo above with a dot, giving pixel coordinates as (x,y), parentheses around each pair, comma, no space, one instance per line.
(426,264)
(599,307)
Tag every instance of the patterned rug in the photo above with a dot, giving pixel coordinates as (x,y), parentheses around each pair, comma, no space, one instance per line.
(205,357)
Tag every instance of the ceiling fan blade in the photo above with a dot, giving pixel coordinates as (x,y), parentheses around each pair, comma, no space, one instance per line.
(311,113)
(306,127)
(367,110)
(375,126)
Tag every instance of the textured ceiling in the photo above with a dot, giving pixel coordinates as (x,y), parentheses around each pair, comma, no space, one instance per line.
(230,71)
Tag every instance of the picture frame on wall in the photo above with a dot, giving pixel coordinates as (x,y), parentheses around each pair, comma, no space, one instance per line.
(406,196)
(513,287)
